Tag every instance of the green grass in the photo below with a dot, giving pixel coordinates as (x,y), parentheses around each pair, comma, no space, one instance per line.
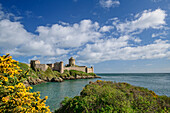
(24,67)
(47,74)
(73,73)
(109,97)
(80,73)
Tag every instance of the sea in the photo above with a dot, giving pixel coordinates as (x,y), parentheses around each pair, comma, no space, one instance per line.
(56,91)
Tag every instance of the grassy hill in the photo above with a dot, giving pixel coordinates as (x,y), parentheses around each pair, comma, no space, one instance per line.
(109,97)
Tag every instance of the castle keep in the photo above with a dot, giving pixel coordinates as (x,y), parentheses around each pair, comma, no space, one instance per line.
(59,66)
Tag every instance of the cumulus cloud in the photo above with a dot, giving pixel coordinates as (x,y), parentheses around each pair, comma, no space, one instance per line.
(161,34)
(86,40)
(12,34)
(70,36)
(148,19)
(109,3)
(106,28)
(119,49)
(51,41)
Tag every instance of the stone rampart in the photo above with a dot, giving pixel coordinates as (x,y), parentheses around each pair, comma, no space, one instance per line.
(90,70)
(43,67)
(80,68)
(57,66)
(51,65)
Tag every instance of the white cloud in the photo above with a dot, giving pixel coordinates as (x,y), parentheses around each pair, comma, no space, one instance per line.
(63,23)
(109,3)
(86,40)
(51,41)
(164,33)
(12,34)
(148,19)
(137,40)
(70,36)
(106,28)
(119,49)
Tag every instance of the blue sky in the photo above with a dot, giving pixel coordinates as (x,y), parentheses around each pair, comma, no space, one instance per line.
(114,36)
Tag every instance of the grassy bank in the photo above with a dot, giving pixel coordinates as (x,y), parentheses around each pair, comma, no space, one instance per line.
(109,97)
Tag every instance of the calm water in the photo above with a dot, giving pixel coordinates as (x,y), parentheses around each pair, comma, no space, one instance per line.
(159,83)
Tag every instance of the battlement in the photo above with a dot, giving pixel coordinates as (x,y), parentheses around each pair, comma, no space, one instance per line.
(59,66)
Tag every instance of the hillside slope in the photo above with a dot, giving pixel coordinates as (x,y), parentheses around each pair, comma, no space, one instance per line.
(109,97)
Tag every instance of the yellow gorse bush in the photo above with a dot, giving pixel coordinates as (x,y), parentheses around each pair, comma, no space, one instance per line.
(14,96)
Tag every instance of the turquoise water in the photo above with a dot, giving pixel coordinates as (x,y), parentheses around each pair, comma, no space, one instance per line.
(159,83)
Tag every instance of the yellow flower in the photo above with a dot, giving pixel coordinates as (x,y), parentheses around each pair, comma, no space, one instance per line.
(6,79)
(46,97)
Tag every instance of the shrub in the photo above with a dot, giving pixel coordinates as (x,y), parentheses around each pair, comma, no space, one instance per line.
(14,96)
(80,73)
(109,97)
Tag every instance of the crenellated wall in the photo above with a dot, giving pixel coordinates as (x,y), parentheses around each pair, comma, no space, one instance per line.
(43,67)
(80,68)
(59,66)
(51,65)
(90,70)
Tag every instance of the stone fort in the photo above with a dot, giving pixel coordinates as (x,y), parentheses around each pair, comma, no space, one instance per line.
(59,66)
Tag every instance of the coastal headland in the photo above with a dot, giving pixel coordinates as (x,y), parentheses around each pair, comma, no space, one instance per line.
(56,72)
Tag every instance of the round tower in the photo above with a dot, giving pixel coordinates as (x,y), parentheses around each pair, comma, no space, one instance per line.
(71,61)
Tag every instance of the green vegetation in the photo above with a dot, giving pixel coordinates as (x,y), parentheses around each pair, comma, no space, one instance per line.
(46,75)
(24,67)
(73,73)
(80,73)
(109,97)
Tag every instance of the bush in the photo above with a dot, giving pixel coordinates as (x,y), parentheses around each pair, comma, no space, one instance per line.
(80,73)
(14,96)
(109,97)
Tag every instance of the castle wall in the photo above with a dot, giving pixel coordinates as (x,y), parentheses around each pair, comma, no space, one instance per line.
(57,66)
(61,67)
(43,67)
(51,66)
(90,70)
(37,62)
(80,68)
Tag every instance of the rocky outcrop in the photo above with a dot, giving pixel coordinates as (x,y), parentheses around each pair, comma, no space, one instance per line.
(34,81)
(79,77)
(57,79)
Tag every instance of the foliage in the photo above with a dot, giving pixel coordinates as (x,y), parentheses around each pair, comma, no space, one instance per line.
(109,97)
(80,73)
(14,96)
(47,74)
(24,67)
(73,73)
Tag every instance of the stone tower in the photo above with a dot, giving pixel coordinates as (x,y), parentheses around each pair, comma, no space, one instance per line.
(72,61)
(61,67)
(33,63)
